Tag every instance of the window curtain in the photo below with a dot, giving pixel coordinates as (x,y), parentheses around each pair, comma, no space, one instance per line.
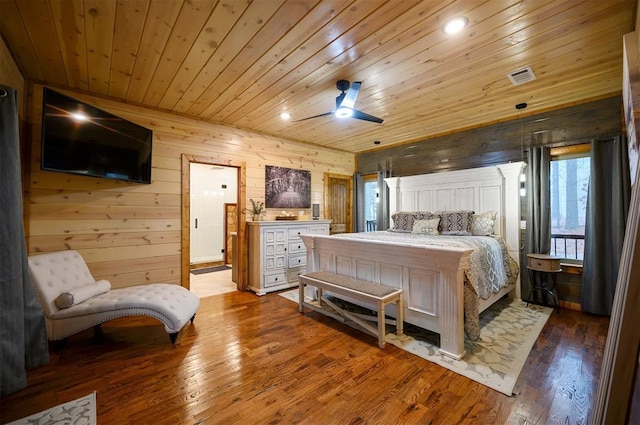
(383,200)
(359,203)
(538,232)
(23,340)
(607,210)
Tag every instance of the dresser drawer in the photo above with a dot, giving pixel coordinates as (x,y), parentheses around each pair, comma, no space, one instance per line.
(275,279)
(295,232)
(294,274)
(297,261)
(297,247)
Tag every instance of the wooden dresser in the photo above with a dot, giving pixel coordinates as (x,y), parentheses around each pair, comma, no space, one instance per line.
(277,255)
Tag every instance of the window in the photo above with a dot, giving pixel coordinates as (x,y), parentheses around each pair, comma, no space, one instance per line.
(371,199)
(569,186)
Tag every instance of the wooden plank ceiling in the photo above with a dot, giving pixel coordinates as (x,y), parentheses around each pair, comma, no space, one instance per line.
(241,63)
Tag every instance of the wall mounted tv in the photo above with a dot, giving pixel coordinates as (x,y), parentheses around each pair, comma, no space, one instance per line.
(78,138)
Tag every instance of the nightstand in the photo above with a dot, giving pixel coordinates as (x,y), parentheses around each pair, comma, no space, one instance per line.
(547,267)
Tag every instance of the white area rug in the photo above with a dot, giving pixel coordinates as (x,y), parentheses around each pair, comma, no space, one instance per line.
(81,411)
(508,330)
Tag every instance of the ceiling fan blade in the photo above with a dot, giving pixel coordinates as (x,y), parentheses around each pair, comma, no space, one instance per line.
(366,117)
(315,116)
(352,94)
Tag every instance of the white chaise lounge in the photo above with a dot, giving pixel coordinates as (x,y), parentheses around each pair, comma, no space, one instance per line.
(73,301)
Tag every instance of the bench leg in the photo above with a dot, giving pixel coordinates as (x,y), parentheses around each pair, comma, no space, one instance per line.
(400,317)
(381,325)
(301,296)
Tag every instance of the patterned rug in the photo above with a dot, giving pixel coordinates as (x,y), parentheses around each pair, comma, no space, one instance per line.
(508,330)
(77,412)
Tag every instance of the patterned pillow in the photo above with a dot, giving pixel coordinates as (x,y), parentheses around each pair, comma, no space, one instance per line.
(426,227)
(483,224)
(455,222)
(403,220)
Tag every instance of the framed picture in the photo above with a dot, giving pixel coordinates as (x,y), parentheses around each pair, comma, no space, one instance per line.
(287,187)
(630,95)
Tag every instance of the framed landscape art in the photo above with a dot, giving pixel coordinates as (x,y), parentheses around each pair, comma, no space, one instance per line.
(287,187)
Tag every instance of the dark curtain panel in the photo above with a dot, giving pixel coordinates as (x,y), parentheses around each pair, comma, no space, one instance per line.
(23,340)
(358,218)
(538,233)
(383,201)
(607,209)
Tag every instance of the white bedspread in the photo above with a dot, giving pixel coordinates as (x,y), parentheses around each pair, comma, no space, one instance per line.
(490,266)
(490,269)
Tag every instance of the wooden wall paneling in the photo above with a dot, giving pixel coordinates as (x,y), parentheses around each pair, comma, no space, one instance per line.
(133,233)
(68,19)
(293,49)
(190,21)
(50,58)
(15,35)
(220,22)
(99,19)
(161,18)
(130,17)
(138,270)
(500,142)
(52,243)
(245,32)
(324,60)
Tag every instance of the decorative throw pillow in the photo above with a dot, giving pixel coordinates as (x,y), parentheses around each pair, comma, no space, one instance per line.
(83,293)
(403,220)
(455,222)
(426,227)
(483,224)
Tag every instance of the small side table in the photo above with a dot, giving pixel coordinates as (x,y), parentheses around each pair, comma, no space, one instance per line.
(547,266)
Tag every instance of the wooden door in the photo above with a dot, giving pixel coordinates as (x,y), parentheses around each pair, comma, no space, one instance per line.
(338,202)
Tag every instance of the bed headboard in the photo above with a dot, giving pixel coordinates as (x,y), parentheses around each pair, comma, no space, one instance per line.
(479,189)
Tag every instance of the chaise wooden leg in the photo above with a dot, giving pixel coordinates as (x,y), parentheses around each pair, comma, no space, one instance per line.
(192,318)
(173,337)
(97,332)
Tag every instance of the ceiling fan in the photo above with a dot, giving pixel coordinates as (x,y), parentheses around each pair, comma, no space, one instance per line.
(345,102)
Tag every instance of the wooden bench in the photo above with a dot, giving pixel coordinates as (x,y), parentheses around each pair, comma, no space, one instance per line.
(357,289)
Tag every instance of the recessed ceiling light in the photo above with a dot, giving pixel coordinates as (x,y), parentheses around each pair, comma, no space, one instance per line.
(285,115)
(455,25)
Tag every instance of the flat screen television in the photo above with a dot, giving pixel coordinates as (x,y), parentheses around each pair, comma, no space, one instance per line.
(78,138)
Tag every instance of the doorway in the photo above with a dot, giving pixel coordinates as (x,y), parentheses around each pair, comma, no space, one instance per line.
(213,189)
(207,216)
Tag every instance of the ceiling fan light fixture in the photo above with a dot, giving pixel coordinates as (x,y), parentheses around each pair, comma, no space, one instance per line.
(455,25)
(344,112)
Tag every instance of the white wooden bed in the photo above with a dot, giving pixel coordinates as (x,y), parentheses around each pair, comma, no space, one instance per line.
(431,277)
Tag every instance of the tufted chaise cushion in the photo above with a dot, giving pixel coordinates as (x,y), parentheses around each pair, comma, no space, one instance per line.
(59,272)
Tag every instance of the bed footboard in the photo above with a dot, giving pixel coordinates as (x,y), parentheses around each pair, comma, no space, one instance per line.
(431,279)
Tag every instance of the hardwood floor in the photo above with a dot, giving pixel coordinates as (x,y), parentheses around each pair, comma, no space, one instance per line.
(208,284)
(256,360)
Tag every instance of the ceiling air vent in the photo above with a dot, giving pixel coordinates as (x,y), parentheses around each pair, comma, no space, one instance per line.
(523,75)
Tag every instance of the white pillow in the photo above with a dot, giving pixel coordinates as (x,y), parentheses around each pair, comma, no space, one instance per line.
(426,227)
(483,224)
(83,293)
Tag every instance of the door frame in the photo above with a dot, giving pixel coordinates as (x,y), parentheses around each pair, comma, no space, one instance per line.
(349,200)
(227,207)
(185,252)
